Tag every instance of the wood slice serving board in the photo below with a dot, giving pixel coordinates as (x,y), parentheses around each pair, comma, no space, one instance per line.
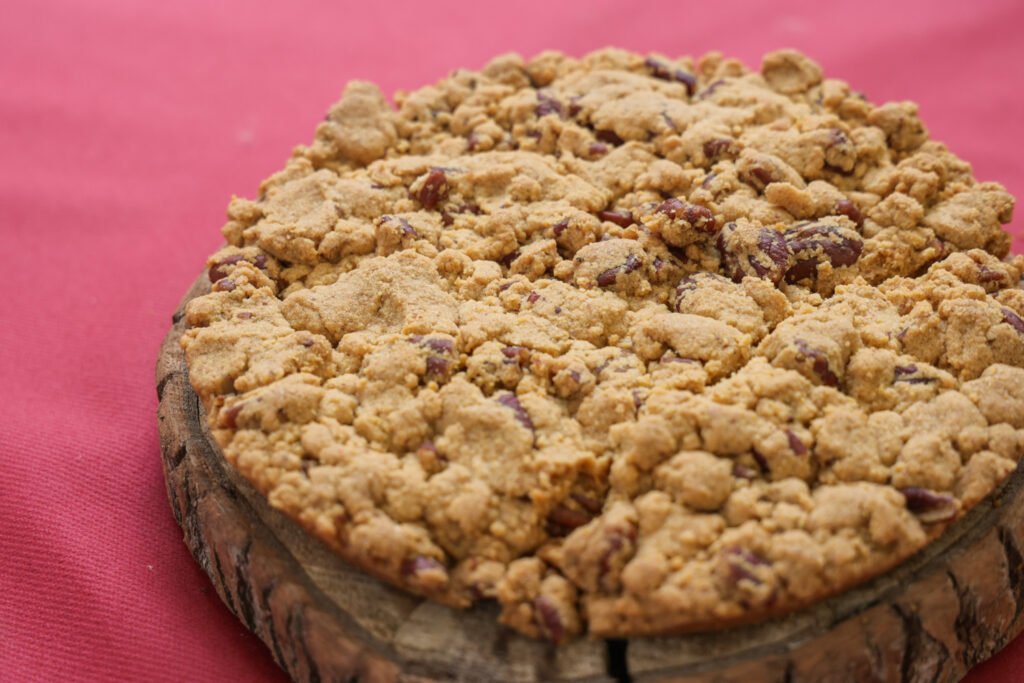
(949,607)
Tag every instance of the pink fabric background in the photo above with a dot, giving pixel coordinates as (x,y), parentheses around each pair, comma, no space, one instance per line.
(124,129)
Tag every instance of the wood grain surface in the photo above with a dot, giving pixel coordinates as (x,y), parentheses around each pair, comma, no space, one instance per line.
(949,607)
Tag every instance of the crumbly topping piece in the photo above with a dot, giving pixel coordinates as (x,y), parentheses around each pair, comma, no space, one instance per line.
(628,344)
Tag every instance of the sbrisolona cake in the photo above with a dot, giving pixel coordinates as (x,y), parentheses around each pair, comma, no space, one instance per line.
(630,345)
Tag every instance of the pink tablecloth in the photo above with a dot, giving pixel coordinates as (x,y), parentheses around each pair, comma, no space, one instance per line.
(125,127)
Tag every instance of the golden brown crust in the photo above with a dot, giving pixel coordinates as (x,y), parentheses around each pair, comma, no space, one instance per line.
(630,345)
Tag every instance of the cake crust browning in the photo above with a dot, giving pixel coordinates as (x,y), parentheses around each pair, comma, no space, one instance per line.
(633,345)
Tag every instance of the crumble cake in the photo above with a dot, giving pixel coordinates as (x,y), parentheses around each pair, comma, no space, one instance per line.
(632,345)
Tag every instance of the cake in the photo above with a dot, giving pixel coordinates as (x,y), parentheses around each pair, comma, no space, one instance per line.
(631,345)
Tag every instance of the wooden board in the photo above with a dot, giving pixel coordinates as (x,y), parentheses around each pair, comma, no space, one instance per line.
(951,606)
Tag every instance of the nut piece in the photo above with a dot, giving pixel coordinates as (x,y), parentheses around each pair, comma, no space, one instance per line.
(537,600)
(844,207)
(760,169)
(841,157)
(424,572)
(666,73)
(594,554)
(433,188)
(750,250)
(743,565)
(548,619)
(562,520)
(719,147)
(817,245)
(819,363)
(929,506)
(679,224)
(618,264)
(548,105)
(609,277)
(216,272)
(622,218)
(1013,320)
(522,417)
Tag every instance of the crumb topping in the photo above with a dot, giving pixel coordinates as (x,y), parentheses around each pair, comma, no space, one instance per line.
(632,345)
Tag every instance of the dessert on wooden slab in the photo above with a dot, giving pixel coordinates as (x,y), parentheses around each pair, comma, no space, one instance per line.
(631,346)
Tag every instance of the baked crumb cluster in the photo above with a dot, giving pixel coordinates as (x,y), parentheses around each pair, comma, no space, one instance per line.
(630,345)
